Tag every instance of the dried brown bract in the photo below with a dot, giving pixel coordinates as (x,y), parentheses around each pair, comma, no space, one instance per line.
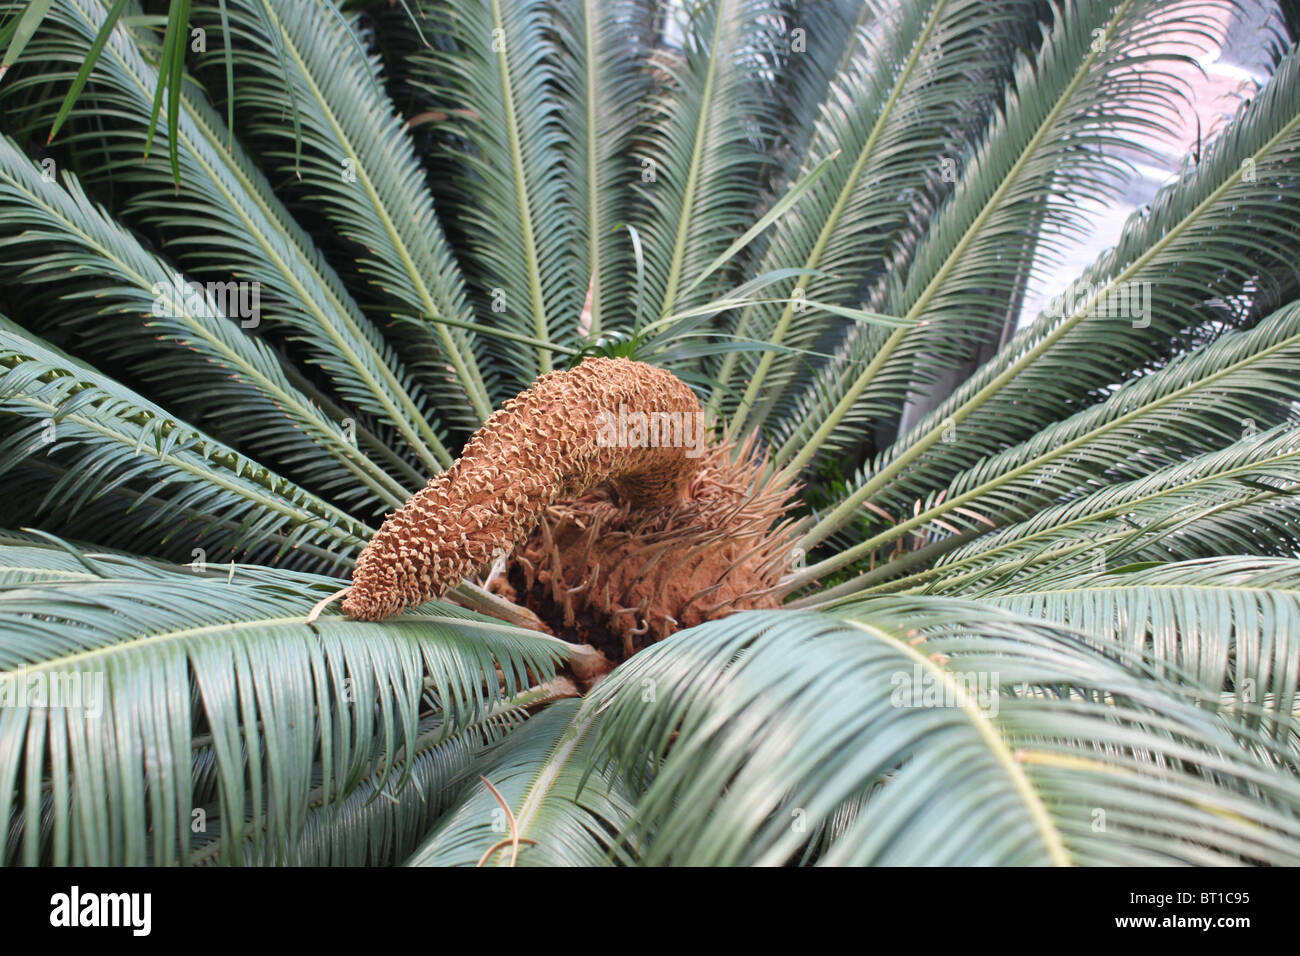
(602,572)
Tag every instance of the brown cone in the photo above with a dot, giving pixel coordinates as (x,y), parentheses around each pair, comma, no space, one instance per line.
(543,446)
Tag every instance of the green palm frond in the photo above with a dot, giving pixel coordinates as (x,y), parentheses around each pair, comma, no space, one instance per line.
(601,83)
(215,352)
(920,73)
(1049,147)
(540,771)
(1040,727)
(22,26)
(699,167)
(354,692)
(1250,484)
(521,230)
(374,825)
(18,32)
(1215,229)
(814,57)
(1229,624)
(1199,403)
(128,517)
(360,165)
(111,436)
(225,198)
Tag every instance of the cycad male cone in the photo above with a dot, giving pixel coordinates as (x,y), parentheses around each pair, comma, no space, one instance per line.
(562,437)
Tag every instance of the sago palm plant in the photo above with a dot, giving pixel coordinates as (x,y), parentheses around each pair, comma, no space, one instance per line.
(1049,614)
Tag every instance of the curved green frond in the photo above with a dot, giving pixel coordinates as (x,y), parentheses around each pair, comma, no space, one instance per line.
(1156,517)
(381,821)
(296,716)
(540,771)
(213,347)
(225,206)
(601,79)
(1201,402)
(1232,625)
(115,436)
(698,174)
(968,734)
(1066,112)
(916,76)
(520,227)
(361,166)
(1217,228)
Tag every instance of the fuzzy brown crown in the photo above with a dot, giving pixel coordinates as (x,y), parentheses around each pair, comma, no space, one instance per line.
(545,445)
(602,573)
